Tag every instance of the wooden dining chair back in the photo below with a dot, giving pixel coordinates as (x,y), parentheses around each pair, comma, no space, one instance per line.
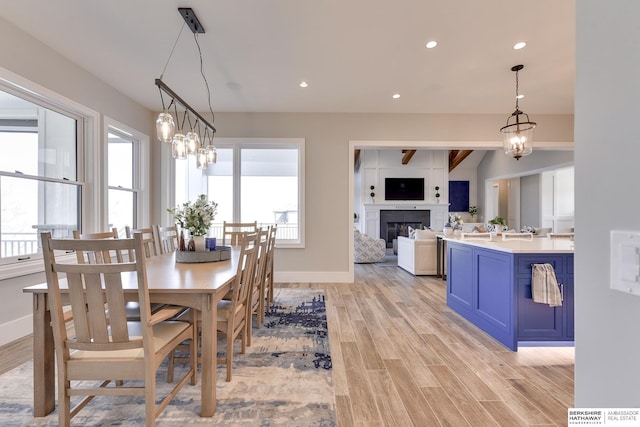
(98,257)
(232,314)
(167,238)
(232,232)
(257,289)
(148,239)
(105,346)
(271,249)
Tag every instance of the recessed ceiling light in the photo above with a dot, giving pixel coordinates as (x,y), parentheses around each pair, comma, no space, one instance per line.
(304,84)
(431,44)
(519,45)
(396,95)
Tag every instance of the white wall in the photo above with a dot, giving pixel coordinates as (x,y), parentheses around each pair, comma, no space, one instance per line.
(607,149)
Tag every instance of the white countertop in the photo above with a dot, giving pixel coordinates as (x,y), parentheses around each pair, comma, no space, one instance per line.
(536,245)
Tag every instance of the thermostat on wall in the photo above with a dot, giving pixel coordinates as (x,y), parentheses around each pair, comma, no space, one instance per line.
(625,261)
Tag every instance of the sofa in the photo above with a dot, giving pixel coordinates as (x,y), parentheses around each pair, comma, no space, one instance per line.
(418,255)
(368,249)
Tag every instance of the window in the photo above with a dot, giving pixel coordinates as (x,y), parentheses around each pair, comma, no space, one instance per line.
(253,179)
(39,184)
(122,193)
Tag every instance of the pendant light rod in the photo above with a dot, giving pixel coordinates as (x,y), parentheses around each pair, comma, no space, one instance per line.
(163,87)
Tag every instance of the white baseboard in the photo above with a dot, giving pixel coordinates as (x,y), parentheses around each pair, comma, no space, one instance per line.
(313,277)
(16,329)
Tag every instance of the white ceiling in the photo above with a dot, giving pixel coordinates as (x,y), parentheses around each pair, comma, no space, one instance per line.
(355,54)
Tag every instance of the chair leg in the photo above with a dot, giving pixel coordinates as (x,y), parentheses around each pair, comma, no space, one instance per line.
(229,355)
(170,365)
(64,404)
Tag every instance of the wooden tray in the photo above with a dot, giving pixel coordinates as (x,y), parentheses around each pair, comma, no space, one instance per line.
(220,253)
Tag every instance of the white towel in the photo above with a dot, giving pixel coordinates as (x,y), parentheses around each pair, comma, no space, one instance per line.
(544,285)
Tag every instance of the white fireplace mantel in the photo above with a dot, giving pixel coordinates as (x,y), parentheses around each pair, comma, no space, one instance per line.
(438,214)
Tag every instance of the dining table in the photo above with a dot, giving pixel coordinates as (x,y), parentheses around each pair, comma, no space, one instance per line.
(199,286)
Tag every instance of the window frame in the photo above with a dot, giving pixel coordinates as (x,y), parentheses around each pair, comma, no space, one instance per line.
(87,160)
(237,144)
(141,182)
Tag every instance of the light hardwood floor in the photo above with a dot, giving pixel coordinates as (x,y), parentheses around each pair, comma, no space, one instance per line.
(402,358)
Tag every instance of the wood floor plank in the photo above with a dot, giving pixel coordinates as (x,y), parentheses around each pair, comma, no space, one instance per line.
(502,413)
(443,407)
(392,409)
(548,405)
(420,372)
(469,406)
(417,406)
(344,416)
(363,403)
(473,382)
(368,350)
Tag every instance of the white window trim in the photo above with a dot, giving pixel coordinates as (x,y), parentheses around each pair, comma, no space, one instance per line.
(87,171)
(168,179)
(141,178)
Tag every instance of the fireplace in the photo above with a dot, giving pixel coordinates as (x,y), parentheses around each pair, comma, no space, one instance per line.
(394,223)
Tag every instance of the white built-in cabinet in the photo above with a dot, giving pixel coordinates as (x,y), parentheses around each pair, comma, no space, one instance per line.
(377,164)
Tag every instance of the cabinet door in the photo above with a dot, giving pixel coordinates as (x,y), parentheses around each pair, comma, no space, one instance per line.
(537,321)
(460,276)
(494,288)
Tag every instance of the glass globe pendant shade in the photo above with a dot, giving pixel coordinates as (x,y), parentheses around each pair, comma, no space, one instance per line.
(193,142)
(201,158)
(517,138)
(212,154)
(179,147)
(165,127)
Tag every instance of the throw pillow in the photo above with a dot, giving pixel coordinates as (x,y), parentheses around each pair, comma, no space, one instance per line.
(480,229)
(412,232)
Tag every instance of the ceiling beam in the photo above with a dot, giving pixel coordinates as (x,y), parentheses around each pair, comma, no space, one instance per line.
(408,154)
(456,157)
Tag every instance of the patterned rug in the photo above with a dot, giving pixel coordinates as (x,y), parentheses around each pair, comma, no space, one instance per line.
(284,379)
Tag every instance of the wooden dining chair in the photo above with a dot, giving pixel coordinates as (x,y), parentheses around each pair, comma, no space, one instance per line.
(167,238)
(93,257)
(148,239)
(232,313)
(235,230)
(97,257)
(106,346)
(254,304)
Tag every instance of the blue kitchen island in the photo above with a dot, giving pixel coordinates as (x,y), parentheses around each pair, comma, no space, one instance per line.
(489,284)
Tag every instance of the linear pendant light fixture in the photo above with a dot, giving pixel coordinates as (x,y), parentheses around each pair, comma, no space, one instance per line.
(198,138)
(517,136)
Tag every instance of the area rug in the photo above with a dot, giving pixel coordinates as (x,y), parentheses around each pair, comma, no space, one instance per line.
(284,379)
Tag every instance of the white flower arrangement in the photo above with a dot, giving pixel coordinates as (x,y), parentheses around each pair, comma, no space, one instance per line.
(455,220)
(197,217)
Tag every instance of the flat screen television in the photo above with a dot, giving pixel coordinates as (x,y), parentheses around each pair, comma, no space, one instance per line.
(404,188)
